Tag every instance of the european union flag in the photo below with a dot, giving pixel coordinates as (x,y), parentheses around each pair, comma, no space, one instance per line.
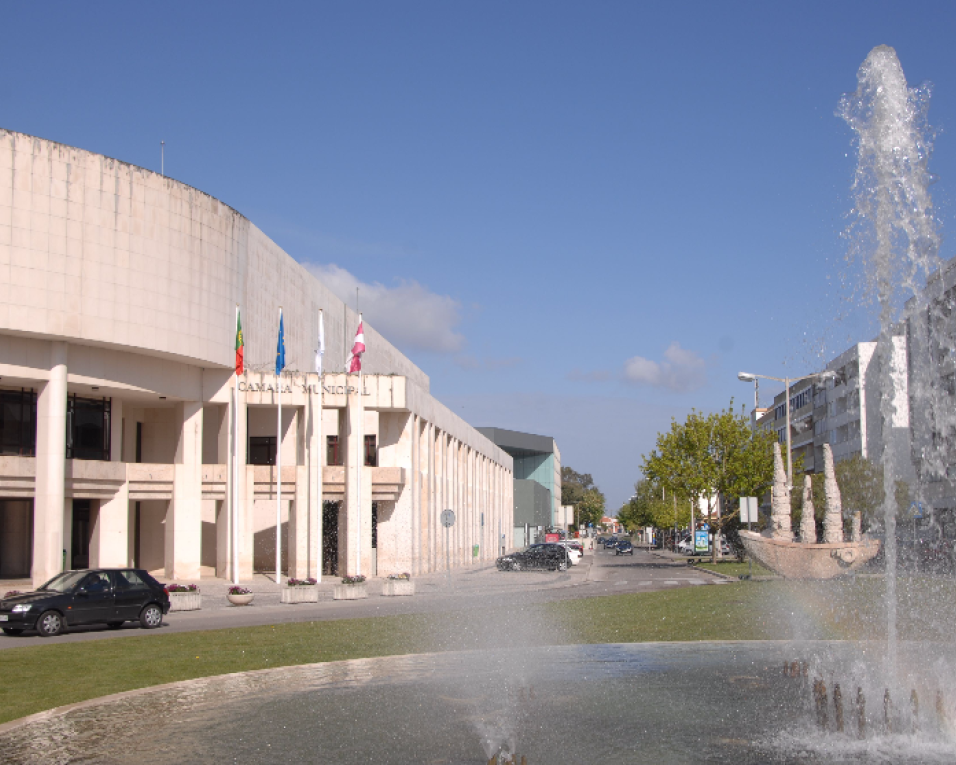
(280,348)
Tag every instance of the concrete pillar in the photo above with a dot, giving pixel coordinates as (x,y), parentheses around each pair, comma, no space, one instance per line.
(49,539)
(357,529)
(314,462)
(184,516)
(415,487)
(109,531)
(395,519)
(245,491)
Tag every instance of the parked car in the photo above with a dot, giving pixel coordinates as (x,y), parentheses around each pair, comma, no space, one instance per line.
(98,596)
(624,548)
(575,552)
(611,542)
(548,555)
(686,546)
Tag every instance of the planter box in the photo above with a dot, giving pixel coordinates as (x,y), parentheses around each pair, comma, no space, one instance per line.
(240,600)
(301,594)
(185,601)
(396,587)
(350,591)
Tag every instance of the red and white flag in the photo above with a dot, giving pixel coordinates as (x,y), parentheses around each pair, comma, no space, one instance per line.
(354,361)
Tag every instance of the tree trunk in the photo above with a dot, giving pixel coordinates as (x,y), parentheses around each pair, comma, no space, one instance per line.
(715,547)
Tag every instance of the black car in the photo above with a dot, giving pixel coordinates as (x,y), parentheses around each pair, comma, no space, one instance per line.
(109,596)
(624,548)
(546,555)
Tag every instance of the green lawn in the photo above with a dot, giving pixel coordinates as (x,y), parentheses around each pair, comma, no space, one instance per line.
(734,568)
(48,675)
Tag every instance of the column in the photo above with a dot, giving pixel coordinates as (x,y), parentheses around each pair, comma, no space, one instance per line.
(109,523)
(414,481)
(245,491)
(184,516)
(49,539)
(297,536)
(356,534)
(314,460)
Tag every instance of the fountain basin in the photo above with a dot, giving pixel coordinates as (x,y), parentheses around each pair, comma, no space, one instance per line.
(796,560)
(625,703)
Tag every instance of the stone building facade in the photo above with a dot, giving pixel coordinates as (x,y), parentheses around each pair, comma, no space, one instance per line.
(123,428)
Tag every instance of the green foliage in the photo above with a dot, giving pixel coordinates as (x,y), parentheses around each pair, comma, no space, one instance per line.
(712,455)
(579,489)
(651,506)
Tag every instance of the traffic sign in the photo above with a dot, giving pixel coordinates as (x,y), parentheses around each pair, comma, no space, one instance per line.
(916,510)
(447,518)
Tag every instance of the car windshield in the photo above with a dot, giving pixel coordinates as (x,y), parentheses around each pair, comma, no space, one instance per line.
(63,582)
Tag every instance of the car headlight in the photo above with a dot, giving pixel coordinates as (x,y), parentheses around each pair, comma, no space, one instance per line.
(21,607)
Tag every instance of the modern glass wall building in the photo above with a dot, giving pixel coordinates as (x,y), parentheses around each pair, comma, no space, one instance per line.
(537,480)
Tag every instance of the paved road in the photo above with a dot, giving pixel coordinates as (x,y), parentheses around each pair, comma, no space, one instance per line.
(598,574)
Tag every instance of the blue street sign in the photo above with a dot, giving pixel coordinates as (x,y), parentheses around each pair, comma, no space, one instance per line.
(916,510)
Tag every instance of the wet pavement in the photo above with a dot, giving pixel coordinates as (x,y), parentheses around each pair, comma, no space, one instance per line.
(600,573)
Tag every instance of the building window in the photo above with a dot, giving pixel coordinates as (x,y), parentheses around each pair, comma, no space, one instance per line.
(371,452)
(333,454)
(18,418)
(88,428)
(262,450)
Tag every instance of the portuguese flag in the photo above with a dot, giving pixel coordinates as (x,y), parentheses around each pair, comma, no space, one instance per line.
(239,345)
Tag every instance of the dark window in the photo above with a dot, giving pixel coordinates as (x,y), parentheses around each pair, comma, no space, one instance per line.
(333,453)
(139,442)
(262,450)
(18,416)
(371,452)
(88,428)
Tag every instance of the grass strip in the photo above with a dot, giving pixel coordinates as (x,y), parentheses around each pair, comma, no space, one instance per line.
(45,676)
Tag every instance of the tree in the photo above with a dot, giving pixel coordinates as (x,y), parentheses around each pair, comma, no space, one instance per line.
(649,507)
(716,457)
(579,489)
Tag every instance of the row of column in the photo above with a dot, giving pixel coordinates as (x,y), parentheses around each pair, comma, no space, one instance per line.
(449,474)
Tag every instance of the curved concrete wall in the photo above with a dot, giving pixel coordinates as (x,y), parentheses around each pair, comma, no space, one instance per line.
(100,252)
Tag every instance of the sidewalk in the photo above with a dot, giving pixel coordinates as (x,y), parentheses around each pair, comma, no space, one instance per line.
(463,581)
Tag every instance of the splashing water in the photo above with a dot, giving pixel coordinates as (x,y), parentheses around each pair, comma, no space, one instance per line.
(894,231)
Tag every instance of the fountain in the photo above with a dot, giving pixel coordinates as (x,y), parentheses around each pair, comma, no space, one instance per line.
(522,697)
(808,559)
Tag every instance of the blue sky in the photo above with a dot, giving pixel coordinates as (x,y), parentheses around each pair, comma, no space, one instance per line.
(580,219)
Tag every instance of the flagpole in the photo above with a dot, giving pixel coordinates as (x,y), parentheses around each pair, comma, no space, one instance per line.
(235,472)
(279,463)
(361,459)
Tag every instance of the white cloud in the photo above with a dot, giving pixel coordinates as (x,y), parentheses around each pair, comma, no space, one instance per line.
(681,371)
(407,314)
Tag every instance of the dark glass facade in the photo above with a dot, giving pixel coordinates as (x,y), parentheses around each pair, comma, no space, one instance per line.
(18,422)
(88,428)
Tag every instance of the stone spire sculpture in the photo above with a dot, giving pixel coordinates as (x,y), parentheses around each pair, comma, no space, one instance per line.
(780,504)
(833,519)
(856,528)
(808,523)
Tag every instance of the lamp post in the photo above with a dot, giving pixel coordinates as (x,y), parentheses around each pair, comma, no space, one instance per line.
(747,377)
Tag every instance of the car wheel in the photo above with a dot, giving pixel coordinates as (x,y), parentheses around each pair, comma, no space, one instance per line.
(151,617)
(50,624)
(516,566)
(114,625)
(563,566)
(12,631)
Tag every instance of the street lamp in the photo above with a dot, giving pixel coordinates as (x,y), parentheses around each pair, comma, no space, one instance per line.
(747,377)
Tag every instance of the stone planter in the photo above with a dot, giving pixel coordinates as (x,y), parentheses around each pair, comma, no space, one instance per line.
(396,587)
(185,601)
(300,594)
(240,600)
(350,591)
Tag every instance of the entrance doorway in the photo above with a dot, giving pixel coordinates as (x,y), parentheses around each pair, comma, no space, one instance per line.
(80,545)
(330,538)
